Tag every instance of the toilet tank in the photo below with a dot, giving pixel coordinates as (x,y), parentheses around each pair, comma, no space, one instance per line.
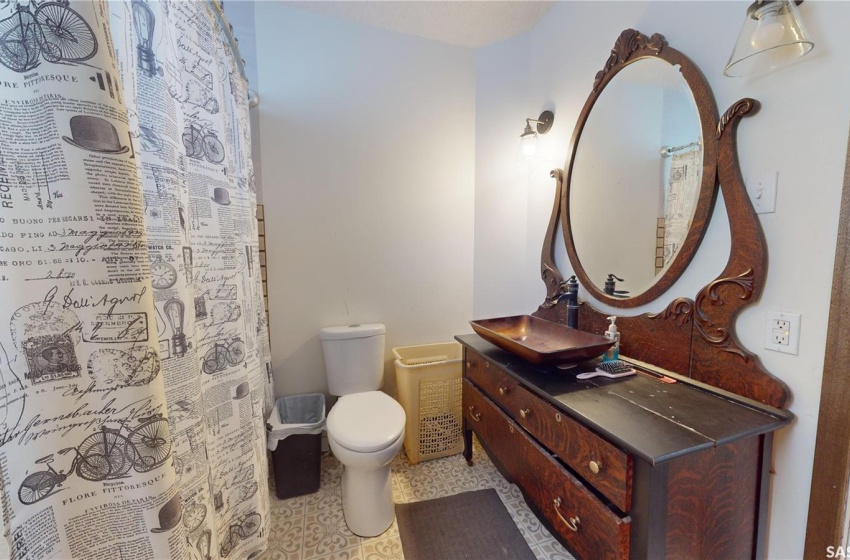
(354,358)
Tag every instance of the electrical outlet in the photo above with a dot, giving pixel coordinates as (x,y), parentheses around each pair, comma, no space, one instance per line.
(782,332)
(780,325)
(780,337)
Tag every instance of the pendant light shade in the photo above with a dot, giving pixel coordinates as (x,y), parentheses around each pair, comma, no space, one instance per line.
(773,36)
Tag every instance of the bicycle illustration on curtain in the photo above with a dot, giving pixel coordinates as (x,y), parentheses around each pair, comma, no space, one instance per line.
(104,455)
(51,30)
(222,355)
(201,141)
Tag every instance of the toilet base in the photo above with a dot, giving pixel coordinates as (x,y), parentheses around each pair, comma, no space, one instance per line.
(367,500)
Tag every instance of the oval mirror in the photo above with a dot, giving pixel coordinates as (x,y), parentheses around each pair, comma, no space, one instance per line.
(641,176)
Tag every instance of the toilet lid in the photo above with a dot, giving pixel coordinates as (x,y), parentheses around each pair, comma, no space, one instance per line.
(365,422)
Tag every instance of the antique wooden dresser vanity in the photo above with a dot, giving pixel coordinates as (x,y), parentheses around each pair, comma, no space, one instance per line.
(673,462)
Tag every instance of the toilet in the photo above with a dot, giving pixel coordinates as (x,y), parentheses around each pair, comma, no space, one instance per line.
(365,427)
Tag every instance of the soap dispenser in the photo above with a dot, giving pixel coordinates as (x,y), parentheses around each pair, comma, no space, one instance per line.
(612,353)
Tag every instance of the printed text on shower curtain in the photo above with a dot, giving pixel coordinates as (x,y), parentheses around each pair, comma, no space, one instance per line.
(134,372)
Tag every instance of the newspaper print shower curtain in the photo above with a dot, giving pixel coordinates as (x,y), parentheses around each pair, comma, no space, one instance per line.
(134,372)
(684,180)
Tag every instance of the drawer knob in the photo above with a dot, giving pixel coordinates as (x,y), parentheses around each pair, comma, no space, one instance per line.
(504,390)
(573,522)
(474,415)
(487,365)
(469,364)
(525,412)
(557,417)
(594,467)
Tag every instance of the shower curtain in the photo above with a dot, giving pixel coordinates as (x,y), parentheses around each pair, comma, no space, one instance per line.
(683,184)
(134,372)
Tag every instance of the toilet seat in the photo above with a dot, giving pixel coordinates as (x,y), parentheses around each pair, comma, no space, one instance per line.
(366,422)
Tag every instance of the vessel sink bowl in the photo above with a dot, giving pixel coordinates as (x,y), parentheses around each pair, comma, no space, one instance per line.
(539,341)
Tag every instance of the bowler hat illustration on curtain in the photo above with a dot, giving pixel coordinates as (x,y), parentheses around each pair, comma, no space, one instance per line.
(94,134)
(221,196)
(242,391)
(169,515)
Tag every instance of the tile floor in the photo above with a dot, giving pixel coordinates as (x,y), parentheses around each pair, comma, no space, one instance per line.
(312,527)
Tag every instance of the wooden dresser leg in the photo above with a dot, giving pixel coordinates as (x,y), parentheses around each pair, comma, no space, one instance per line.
(467,444)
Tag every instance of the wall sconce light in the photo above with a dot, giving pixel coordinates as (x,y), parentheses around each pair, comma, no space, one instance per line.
(528,140)
(773,36)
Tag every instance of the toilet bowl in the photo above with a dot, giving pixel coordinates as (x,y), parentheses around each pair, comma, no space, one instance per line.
(365,433)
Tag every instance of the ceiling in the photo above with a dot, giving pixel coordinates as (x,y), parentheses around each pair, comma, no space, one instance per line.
(470,24)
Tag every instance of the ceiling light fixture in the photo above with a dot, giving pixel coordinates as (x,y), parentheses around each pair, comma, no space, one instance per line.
(773,36)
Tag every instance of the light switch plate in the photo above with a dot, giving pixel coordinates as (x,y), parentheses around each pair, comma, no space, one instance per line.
(782,332)
(762,191)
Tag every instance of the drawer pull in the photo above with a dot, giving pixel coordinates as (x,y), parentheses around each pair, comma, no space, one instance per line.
(594,467)
(557,417)
(525,412)
(504,390)
(487,365)
(474,415)
(470,364)
(573,523)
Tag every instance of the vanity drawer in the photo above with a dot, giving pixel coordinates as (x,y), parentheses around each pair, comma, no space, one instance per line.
(493,382)
(493,427)
(589,527)
(601,464)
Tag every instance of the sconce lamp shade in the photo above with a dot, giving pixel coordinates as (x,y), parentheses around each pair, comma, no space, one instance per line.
(529,139)
(773,36)
(528,142)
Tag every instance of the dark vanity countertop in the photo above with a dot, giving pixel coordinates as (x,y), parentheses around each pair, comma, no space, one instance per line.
(653,420)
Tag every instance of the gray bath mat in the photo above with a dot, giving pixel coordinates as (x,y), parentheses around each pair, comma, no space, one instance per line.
(467,526)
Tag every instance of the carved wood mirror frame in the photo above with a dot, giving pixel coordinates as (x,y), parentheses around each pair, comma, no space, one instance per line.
(632,47)
(694,338)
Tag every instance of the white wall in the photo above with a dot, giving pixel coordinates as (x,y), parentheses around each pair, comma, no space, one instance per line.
(367,144)
(801,132)
(501,259)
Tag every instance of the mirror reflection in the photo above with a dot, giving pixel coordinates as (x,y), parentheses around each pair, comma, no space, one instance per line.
(636,178)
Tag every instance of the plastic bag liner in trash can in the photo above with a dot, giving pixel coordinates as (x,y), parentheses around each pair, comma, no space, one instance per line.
(294,437)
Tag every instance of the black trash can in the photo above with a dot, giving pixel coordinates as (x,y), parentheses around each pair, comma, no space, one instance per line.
(295,429)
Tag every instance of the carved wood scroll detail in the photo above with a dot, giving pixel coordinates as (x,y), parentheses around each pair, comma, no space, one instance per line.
(680,310)
(548,269)
(553,280)
(739,109)
(629,41)
(717,336)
